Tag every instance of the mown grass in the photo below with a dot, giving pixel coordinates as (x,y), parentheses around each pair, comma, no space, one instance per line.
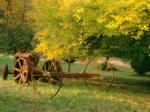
(128,93)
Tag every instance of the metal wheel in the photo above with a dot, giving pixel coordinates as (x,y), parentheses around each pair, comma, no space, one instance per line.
(5,72)
(49,67)
(51,84)
(21,71)
(54,83)
(52,66)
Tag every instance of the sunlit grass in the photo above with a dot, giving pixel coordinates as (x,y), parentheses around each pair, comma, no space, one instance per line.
(6,60)
(75,95)
(128,93)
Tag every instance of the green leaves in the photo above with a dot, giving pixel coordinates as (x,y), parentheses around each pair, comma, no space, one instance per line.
(71,22)
(15,32)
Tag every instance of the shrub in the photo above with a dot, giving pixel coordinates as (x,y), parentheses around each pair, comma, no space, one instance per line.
(140,63)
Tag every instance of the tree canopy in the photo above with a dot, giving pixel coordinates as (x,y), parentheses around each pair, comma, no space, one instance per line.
(63,25)
(15,29)
(77,28)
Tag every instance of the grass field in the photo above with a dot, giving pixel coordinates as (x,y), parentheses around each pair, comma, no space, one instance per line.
(128,93)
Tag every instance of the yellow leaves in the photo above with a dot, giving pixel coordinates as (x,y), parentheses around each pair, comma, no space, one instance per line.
(48,44)
(144,27)
(50,51)
(67,26)
(123,22)
(87,1)
(126,23)
(41,34)
(54,54)
(67,4)
(138,35)
(78,14)
(100,20)
(131,16)
(77,17)
(80,10)
(68,17)
(125,18)
(42,46)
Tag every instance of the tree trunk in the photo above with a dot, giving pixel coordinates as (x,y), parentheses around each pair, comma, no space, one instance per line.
(9,5)
(86,65)
(69,66)
(105,64)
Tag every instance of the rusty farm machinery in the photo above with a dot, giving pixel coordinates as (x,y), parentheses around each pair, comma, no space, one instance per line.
(26,70)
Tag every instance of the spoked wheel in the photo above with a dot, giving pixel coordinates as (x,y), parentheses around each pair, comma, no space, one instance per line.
(54,81)
(55,67)
(51,83)
(55,85)
(21,71)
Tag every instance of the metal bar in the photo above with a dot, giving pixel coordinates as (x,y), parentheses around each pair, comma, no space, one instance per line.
(68,75)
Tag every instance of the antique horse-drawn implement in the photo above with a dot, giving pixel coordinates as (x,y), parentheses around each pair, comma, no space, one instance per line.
(26,70)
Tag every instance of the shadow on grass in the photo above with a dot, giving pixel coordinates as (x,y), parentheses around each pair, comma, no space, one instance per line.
(76,96)
(63,103)
(123,86)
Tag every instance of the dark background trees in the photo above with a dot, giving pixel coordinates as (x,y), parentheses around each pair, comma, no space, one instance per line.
(15,32)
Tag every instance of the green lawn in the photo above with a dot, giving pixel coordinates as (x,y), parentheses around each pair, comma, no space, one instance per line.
(129,93)
(6,60)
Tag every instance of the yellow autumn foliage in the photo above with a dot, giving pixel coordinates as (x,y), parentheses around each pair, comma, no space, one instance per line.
(64,25)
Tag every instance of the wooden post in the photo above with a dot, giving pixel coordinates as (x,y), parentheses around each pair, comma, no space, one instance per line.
(5,72)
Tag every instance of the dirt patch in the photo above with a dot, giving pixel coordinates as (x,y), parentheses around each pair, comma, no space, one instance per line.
(119,63)
(113,61)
